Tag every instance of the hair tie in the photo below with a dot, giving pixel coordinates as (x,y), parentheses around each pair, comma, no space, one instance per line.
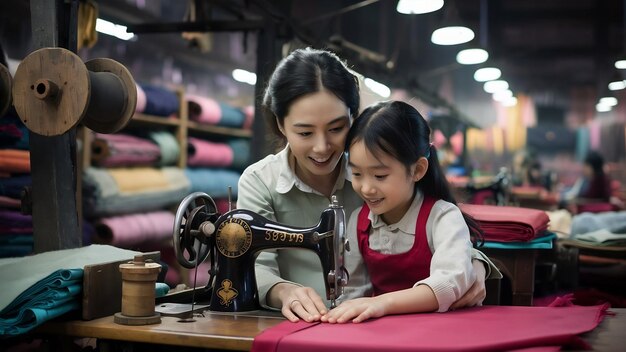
(427,154)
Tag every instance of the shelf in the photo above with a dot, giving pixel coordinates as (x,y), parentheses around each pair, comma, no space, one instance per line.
(156,120)
(219,130)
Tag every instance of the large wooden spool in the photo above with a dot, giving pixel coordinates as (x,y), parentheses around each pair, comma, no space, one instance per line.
(5,89)
(138,293)
(54,91)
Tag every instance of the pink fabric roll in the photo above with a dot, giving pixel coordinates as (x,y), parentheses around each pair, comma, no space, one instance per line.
(205,153)
(248,111)
(141,99)
(130,230)
(207,110)
(111,150)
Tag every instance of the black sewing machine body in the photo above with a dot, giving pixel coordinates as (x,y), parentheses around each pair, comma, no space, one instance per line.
(233,241)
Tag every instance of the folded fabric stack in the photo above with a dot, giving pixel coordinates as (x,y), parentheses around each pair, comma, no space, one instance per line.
(508,224)
(41,287)
(115,150)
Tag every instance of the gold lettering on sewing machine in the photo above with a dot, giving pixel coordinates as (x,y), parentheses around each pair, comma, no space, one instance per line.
(233,238)
(279,236)
(227,293)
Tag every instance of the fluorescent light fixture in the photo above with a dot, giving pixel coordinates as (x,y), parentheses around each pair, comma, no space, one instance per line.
(512,101)
(603,108)
(487,74)
(495,86)
(244,76)
(112,29)
(452,35)
(411,7)
(610,101)
(621,64)
(472,56)
(617,85)
(502,95)
(377,87)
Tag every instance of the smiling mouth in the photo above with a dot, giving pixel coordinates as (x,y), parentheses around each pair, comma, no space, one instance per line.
(319,161)
(374,202)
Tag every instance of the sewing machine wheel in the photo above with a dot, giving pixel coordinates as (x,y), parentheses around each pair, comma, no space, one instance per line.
(190,244)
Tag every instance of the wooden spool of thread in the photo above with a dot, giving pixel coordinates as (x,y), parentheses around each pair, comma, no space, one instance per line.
(6,83)
(54,91)
(138,293)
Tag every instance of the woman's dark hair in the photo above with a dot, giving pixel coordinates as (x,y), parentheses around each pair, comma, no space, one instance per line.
(399,130)
(303,72)
(596,161)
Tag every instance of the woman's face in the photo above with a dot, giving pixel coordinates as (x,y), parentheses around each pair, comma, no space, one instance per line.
(316,127)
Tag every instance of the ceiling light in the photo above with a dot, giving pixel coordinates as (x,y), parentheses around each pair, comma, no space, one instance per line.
(377,87)
(472,56)
(244,76)
(452,35)
(621,64)
(602,108)
(502,95)
(610,101)
(617,85)
(410,7)
(512,101)
(487,74)
(495,86)
(113,29)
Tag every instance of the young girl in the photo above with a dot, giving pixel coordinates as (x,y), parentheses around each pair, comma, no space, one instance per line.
(411,245)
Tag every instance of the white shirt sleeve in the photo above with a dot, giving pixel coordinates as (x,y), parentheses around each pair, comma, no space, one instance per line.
(359,284)
(451,271)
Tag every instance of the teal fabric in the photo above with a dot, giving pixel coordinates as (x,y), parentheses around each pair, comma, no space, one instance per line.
(543,242)
(161,289)
(41,287)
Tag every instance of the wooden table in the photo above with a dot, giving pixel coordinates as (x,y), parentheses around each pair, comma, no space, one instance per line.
(218,331)
(518,265)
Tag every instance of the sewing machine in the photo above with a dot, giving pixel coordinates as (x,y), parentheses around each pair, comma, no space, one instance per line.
(233,240)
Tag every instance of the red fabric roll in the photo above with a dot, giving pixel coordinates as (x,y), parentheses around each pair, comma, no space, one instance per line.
(508,224)
(488,328)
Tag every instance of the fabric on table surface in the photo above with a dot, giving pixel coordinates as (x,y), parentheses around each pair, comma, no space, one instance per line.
(588,222)
(487,328)
(40,287)
(542,242)
(508,224)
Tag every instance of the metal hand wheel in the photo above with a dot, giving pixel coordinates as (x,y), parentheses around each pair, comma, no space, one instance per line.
(190,244)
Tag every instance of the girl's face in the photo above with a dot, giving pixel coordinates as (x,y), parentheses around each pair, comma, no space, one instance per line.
(316,128)
(383,182)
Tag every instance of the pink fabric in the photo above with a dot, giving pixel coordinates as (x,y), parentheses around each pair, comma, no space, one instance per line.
(205,153)
(141,99)
(130,230)
(487,328)
(508,224)
(248,111)
(208,110)
(113,150)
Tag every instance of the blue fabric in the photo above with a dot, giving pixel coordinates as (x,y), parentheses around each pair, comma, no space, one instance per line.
(160,101)
(543,242)
(241,153)
(161,289)
(12,186)
(231,117)
(213,182)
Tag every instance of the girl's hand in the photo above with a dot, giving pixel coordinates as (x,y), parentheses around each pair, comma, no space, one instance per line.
(356,310)
(299,302)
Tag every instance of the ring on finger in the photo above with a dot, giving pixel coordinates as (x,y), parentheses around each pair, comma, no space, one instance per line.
(292,303)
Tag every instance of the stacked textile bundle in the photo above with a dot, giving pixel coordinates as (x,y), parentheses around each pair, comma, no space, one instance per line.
(508,224)
(44,286)
(16,229)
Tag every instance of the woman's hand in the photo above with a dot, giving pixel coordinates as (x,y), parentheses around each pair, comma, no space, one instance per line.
(298,302)
(356,310)
(477,293)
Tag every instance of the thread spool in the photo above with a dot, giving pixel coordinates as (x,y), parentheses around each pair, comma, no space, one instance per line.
(138,293)
(5,89)
(54,91)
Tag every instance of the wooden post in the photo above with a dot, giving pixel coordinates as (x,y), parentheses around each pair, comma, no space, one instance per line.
(56,223)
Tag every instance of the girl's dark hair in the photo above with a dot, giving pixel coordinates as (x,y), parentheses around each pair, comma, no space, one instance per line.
(303,72)
(399,130)
(596,161)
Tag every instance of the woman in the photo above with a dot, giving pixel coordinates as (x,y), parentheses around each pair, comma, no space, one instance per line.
(311,100)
